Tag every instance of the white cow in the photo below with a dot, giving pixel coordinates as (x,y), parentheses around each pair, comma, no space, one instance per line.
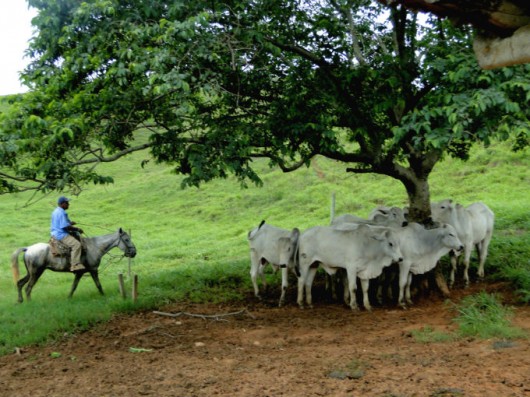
(422,249)
(269,244)
(382,216)
(474,226)
(363,252)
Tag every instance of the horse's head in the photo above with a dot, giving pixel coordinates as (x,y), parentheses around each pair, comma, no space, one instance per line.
(126,244)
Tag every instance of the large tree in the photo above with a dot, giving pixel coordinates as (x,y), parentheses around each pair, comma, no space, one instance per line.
(208,86)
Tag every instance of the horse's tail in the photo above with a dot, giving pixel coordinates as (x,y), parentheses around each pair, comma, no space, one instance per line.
(14,263)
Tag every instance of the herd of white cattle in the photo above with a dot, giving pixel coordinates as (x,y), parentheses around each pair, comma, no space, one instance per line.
(364,247)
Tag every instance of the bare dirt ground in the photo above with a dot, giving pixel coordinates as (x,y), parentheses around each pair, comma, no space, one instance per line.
(268,351)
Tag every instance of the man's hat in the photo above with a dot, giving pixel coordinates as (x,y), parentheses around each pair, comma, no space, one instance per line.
(62,199)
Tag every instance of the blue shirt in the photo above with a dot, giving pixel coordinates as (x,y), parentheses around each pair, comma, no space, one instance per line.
(60,221)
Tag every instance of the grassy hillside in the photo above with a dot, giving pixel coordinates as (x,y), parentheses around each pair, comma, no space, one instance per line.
(192,243)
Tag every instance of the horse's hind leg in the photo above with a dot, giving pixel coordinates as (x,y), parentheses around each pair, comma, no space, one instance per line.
(95,277)
(20,285)
(33,278)
(78,276)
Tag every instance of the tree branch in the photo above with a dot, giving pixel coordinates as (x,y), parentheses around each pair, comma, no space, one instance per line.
(116,156)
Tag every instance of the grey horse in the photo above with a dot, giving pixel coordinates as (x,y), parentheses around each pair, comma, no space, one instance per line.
(38,257)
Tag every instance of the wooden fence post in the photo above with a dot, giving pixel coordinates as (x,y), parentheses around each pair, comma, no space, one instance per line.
(122,285)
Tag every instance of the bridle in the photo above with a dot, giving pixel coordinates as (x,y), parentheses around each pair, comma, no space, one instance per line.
(130,249)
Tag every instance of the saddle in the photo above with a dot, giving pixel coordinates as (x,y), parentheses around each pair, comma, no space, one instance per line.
(60,249)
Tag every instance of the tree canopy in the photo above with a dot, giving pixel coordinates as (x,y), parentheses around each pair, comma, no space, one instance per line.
(208,86)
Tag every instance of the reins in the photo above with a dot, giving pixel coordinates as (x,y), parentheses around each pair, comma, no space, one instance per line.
(112,257)
(110,261)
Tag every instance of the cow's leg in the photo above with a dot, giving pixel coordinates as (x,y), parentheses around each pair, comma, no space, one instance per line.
(261,273)
(483,253)
(77,277)
(403,277)
(285,284)
(95,277)
(454,264)
(365,285)
(467,259)
(301,282)
(308,284)
(407,289)
(254,269)
(352,286)
(33,278)
(345,290)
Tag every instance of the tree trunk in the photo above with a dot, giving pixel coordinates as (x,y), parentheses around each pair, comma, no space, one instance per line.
(420,212)
(419,200)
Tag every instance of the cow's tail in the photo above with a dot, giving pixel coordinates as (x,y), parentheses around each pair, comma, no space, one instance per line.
(297,259)
(252,233)
(14,263)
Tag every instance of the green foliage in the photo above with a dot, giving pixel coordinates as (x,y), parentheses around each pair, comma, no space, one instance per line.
(209,87)
(484,316)
(519,275)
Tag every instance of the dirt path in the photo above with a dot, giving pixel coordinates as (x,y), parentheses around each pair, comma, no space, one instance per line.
(268,351)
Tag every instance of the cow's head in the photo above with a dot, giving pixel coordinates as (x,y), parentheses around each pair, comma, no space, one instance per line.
(287,247)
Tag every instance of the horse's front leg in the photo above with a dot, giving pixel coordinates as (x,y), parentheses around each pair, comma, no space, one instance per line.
(78,276)
(95,277)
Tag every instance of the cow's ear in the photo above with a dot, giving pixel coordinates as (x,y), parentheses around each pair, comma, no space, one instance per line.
(379,235)
(363,228)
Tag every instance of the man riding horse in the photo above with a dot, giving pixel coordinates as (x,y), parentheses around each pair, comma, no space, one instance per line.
(62,229)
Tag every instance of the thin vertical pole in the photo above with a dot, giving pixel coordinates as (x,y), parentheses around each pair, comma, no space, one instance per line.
(135,288)
(129,259)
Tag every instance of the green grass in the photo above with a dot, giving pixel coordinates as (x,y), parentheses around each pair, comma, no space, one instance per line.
(192,243)
(480,316)
(484,316)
